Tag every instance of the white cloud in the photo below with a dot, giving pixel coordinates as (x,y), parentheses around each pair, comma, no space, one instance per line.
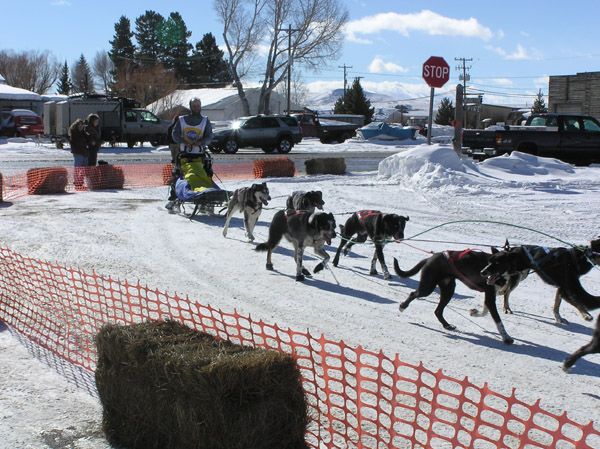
(425,21)
(500,34)
(61,3)
(378,65)
(519,54)
(525,34)
(503,82)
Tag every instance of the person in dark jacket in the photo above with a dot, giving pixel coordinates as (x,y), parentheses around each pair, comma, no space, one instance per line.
(79,149)
(92,130)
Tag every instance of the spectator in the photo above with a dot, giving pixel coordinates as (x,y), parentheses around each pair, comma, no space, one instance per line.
(79,148)
(94,141)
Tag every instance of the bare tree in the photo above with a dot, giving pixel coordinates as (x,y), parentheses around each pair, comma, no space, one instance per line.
(103,68)
(242,31)
(147,84)
(315,41)
(299,92)
(32,70)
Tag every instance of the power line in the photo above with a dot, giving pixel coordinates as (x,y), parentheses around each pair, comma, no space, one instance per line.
(345,79)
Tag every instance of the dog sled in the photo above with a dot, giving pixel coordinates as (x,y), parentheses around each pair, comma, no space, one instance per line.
(194,185)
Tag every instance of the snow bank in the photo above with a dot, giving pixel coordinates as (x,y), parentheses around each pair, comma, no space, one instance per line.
(439,167)
(428,167)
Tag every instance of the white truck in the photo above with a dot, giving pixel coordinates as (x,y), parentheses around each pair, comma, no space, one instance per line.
(121,119)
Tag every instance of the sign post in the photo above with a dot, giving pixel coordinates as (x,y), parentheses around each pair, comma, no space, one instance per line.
(436,73)
(458,116)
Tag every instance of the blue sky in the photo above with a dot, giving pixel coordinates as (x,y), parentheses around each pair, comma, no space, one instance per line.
(514,45)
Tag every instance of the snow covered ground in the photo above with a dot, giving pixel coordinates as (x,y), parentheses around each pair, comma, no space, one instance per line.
(128,234)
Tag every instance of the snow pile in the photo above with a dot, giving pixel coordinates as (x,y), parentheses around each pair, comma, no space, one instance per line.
(15,93)
(429,167)
(439,167)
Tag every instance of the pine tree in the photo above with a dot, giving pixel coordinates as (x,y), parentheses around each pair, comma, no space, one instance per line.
(83,79)
(355,102)
(445,112)
(208,65)
(147,33)
(539,105)
(64,81)
(173,37)
(122,50)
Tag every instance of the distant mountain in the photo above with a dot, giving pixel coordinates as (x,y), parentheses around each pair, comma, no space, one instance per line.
(326,100)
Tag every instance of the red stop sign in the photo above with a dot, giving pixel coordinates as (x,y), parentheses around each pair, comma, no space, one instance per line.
(436,71)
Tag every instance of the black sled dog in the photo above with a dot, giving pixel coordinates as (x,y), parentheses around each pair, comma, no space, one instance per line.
(250,201)
(559,267)
(442,270)
(302,229)
(377,226)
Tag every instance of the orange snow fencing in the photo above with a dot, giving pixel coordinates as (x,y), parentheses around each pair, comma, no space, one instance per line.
(279,167)
(357,398)
(52,180)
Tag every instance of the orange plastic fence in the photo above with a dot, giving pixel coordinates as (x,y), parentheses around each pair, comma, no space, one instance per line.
(279,167)
(1,200)
(49,180)
(357,398)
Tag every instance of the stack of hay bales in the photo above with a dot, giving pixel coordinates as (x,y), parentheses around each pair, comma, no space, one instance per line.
(105,176)
(47,180)
(325,166)
(165,386)
(279,167)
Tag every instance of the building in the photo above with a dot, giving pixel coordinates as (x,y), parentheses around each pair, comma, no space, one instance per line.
(16,98)
(217,104)
(575,94)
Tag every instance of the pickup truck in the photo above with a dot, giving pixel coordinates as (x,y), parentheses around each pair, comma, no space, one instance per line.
(326,130)
(570,138)
(121,119)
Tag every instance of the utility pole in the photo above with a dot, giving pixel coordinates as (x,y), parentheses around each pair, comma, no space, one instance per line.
(289,30)
(464,76)
(345,79)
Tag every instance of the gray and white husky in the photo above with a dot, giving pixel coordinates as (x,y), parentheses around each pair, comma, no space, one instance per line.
(302,229)
(250,201)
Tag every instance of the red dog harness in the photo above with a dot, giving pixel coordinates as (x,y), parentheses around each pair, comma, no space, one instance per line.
(364,214)
(455,256)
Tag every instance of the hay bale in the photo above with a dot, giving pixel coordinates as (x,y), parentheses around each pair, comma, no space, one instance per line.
(43,181)
(165,386)
(325,166)
(105,177)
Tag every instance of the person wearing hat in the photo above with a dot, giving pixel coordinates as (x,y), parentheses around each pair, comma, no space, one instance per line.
(193,132)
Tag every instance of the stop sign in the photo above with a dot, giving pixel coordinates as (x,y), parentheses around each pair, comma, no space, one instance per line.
(436,71)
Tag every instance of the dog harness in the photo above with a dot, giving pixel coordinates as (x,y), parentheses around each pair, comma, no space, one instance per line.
(535,266)
(455,256)
(364,214)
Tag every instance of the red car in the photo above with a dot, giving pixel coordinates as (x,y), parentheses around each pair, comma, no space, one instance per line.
(20,123)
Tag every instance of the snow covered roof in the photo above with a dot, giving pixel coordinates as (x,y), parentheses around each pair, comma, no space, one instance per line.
(15,93)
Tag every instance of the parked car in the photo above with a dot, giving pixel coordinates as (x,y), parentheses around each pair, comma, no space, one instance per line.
(268,132)
(20,123)
(330,129)
(570,138)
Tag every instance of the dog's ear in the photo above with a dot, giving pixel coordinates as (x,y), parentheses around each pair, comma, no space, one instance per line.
(506,246)
(406,218)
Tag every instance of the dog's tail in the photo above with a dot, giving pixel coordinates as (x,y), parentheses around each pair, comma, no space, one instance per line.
(579,295)
(276,230)
(406,274)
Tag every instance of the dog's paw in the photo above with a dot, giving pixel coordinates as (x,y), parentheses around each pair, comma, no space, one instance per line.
(450,327)
(387,276)
(508,311)
(402,307)
(300,278)
(588,317)
(306,273)
(508,340)
(224,233)
(250,238)
(474,312)
(270,266)
(319,267)
(373,273)
(562,321)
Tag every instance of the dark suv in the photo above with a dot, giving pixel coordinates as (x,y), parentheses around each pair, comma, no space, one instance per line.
(268,132)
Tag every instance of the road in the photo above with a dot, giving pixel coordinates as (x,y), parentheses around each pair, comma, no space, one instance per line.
(355,161)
